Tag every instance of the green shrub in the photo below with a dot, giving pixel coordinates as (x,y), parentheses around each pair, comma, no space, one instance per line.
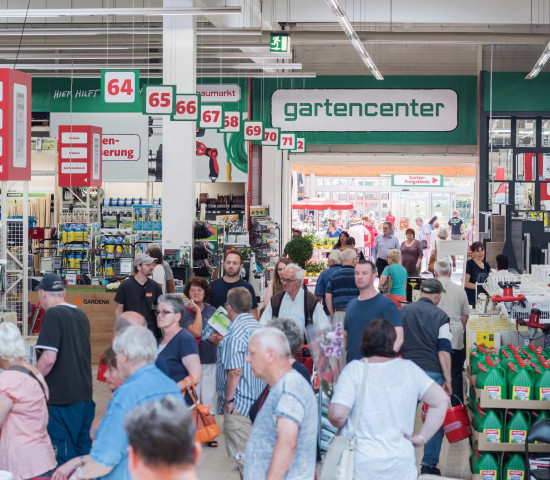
(299,250)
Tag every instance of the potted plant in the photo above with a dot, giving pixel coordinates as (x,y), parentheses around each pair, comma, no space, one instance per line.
(299,250)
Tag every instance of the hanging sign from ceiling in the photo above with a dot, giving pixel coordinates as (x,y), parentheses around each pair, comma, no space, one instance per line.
(365,110)
(120,86)
(280,43)
(80,155)
(417,180)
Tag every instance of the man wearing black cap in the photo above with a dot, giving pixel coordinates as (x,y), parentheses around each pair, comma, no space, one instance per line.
(139,293)
(428,344)
(65,362)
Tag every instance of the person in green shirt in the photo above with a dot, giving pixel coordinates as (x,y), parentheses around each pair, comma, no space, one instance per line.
(398,273)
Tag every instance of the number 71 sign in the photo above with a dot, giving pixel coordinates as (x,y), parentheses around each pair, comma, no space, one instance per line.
(120,86)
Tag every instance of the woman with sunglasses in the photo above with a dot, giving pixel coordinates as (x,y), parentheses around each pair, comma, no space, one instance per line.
(177,346)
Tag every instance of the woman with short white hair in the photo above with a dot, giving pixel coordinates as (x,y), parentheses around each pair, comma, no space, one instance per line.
(25,446)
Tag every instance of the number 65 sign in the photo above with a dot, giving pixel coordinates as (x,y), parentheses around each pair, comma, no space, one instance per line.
(159,99)
(120,86)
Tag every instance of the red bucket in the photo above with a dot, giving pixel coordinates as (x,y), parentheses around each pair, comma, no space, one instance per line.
(456,424)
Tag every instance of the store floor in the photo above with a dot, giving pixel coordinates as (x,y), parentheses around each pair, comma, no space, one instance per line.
(215,465)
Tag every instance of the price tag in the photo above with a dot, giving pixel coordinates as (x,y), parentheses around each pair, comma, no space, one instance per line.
(231,122)
(119,86)
(271,137)
(253,131)
(211,116)
(287,141)
(188,107)
(159,100)
(300,145)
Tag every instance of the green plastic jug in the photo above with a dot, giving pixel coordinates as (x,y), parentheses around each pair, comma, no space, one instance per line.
(517,426)
(494,381)
(542,384)
(487,466)
(520,383)
(505,354)
(514,468)
(489,422)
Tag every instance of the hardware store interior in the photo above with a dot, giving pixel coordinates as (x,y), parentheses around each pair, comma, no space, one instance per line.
(375,176)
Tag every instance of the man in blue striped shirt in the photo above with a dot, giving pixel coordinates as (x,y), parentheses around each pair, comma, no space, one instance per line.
(237,387)
(341,286)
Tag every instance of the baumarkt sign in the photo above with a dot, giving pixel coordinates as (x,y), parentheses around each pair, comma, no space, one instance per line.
(417,180)
(365,110)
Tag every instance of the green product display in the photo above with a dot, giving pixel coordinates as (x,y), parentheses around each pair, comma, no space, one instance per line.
(542,384)
(493,380)
(485,464)
(517,426)
(514,468)
(520,383)
(489,422)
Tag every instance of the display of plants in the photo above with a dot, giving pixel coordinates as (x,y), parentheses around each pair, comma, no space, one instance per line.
(314,268)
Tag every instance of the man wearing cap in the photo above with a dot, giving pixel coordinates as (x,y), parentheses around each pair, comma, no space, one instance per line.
(139,293)
(65,361)
(428,344)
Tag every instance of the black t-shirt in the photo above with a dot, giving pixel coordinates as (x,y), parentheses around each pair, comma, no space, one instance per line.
(218,296)
(455,223)
(140,298)
(66,330)
(477,275)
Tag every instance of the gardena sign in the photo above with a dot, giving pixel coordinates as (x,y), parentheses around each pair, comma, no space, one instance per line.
(365,110)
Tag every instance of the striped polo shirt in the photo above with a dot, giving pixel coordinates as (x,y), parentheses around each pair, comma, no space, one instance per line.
(342,286)
(232,351)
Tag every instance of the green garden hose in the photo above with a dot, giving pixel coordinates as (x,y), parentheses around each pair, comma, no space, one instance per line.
(236,153)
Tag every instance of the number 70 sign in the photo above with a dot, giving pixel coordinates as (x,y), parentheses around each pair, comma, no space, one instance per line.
(120,86)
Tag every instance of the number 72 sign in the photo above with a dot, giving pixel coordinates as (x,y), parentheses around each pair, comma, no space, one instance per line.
(120,86)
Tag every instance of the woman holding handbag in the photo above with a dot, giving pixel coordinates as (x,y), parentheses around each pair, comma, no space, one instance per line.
(375,401)
(394,279)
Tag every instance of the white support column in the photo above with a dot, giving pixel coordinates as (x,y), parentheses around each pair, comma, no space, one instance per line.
(178,150)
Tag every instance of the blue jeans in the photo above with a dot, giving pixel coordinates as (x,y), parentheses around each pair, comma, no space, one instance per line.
(69,430)
(433,447)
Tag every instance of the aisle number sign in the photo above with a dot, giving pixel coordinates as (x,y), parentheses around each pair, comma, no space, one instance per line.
(253,131)
(120,86)
(231,122)
(271,137)
(159,100)
(187,107)
(300,145)
(417,180)
(287,141)
(211,116)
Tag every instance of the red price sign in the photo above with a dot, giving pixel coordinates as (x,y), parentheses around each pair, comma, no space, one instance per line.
(159,100)
(187,107)
(287,141)
(211,116)
(300,145)
(271,137)
(253,131)
(119,86)
(231,122)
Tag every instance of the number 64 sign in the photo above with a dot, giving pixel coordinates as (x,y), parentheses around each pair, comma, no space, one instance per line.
(120,86)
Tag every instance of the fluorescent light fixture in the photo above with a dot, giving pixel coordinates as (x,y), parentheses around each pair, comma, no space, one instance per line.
(251,66)
(49,48)
(95,12)
(541,62)
(103,30)
(240,55)
(344,22)
(199,75)
(152,66)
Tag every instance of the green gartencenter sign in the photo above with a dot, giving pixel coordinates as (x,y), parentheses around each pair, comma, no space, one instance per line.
(359,110)
(362,110)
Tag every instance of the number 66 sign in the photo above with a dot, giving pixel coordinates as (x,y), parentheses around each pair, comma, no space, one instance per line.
(120,86)
(187,107)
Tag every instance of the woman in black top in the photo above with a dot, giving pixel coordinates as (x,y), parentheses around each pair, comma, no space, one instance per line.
(477,271)
(341,243)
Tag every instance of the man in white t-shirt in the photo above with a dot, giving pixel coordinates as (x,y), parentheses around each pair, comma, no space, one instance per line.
(358,232)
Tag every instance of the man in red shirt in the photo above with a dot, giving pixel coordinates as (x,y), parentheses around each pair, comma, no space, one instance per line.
(369,225)
(390,218)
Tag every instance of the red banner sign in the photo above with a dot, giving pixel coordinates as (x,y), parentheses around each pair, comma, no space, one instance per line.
(79,156)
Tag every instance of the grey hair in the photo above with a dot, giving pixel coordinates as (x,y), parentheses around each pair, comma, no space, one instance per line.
(395,255)
(298,271)
(162,433)
(57,294)
(335,256)
(417,219)
(443,232)
(389,224)
(137,343)
(12,346)
(443,268)
(122,321)
(240,299)
(273,339)
(175,301)
(293,332)
(349,255)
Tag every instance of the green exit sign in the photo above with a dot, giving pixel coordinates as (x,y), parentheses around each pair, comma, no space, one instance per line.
(280,43)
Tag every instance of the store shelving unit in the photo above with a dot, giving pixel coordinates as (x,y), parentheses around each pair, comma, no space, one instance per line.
(266,245)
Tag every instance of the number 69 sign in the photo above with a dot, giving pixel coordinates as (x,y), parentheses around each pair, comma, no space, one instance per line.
(120,86)
(211,116)
(159,99)
(188,107)
(253,131)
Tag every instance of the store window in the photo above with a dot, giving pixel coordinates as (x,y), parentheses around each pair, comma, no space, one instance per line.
(526,132)
(545,134)
(500,132)
(500,164)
